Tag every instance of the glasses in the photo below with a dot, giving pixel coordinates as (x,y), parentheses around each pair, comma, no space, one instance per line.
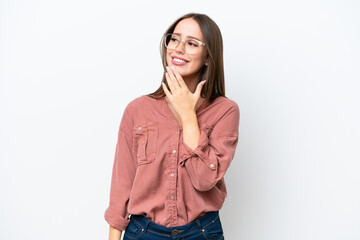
(192,45)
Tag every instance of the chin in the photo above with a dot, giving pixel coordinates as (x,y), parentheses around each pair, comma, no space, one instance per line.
(182,71)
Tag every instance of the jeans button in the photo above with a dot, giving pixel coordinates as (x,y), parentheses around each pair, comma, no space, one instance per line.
(175,232)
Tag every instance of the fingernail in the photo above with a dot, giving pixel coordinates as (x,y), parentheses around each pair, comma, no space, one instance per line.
(173,67)
(167,67)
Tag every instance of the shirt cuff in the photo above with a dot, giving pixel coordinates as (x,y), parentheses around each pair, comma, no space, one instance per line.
(200,151)
(115,220)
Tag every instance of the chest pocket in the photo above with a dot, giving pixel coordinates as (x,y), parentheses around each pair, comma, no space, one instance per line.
(145,142)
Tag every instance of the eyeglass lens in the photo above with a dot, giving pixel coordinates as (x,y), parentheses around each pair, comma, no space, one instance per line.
(173,40)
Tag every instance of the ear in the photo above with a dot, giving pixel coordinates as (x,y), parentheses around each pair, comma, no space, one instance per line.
(207,61)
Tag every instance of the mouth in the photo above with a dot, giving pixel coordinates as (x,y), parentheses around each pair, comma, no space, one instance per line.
(178,61)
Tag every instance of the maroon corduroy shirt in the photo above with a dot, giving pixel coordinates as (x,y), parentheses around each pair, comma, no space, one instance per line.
(157,175)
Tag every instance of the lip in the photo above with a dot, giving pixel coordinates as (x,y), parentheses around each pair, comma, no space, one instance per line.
(177,63)
(179,58)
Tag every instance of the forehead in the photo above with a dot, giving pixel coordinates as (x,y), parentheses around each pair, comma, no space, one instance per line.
(189,28)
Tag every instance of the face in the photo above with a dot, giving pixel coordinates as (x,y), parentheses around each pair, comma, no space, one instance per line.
(187,28)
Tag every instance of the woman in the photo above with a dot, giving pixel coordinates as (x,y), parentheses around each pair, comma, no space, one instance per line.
(175,145)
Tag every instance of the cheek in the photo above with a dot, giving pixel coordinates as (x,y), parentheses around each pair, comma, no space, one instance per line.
(168,58)
(198,61)
(167,54)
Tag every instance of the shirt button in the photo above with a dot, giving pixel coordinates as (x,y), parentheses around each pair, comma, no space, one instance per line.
(172,197)
(172,175)
(212,165)
(174,151)
(139,128)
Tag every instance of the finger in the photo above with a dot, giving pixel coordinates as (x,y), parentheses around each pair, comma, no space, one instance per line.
(172,77)
(199,87)
(169,82)
(179,77)
(165,89)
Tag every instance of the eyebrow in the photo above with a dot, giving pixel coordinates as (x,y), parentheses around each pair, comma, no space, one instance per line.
(188,36)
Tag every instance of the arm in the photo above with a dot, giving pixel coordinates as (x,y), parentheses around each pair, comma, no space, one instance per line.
(207,163)
(114,234)
(191,130)
(123,173)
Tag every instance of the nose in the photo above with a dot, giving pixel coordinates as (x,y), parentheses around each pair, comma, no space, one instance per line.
(180,47)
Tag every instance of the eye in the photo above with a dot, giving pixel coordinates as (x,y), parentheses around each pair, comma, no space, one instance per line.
(174,39)
(193,43)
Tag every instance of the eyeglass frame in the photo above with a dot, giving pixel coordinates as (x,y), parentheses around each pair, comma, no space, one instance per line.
(183,41)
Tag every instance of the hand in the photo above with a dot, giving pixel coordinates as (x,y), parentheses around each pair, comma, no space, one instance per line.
(181,98)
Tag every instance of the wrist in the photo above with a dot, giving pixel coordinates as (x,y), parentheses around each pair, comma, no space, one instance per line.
(188,118)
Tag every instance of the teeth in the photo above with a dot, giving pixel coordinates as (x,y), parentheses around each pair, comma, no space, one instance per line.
(178,60)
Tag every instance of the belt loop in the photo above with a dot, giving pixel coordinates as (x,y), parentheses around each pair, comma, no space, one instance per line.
(198,223)
(146,226)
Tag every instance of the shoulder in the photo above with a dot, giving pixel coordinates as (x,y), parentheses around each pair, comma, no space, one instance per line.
(220,109)
(226,104)
(136,110)
(140,102)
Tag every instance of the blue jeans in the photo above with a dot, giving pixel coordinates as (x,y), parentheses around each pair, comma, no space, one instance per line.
(208,227)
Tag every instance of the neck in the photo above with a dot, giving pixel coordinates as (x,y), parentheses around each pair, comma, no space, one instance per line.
(192,82)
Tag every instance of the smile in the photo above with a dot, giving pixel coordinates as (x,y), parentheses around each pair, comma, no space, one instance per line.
(179,60)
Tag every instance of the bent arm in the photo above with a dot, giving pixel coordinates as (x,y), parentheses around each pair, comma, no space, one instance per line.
(209,161)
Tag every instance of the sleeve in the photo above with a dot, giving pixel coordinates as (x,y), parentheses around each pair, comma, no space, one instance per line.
(208,162)
(123,173)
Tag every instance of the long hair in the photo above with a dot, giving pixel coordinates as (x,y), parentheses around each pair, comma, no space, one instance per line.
(213,73)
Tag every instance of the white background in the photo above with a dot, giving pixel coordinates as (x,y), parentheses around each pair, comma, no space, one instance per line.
(68,69)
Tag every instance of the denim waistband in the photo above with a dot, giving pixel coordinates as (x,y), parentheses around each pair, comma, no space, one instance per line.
(176,231)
